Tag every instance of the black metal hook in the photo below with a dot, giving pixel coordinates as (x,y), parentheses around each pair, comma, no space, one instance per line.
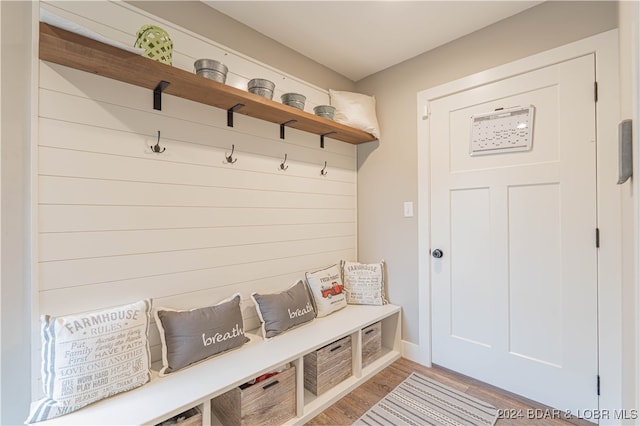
(282,165)
(324,171)
(156,147)
(229,157)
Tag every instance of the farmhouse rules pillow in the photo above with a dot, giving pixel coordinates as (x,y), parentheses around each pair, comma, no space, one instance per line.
(91,356)
(364,283)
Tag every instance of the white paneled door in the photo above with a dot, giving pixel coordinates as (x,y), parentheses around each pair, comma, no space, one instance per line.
(514,293)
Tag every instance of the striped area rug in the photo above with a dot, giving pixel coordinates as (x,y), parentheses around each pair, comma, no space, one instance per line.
(421,401)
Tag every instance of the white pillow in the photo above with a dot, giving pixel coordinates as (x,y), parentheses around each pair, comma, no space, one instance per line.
(355,110)
(364,283)
(91,356)
(326,288)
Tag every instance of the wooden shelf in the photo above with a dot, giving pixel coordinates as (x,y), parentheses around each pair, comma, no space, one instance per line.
(73,50)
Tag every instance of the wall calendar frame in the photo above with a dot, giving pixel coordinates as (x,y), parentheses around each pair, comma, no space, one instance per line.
(502,130)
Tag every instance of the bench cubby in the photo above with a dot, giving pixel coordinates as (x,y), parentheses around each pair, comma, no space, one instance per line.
(269,402)
(191,417)
(326,367)
(371,343)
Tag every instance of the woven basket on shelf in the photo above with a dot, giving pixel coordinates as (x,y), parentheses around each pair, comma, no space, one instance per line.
(156,43)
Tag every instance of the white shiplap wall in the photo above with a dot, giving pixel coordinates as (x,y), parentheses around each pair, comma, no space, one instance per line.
(118,223)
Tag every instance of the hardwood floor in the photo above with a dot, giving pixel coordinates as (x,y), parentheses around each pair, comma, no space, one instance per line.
(520,410)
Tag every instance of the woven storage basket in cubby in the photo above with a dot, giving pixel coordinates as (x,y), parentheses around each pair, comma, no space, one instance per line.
(156,43)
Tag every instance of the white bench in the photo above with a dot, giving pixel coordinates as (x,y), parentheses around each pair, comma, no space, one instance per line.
(164,397)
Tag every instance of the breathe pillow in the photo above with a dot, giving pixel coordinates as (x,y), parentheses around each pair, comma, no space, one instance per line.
(364,283)
(326,289)
(191,336)
(88,357)
(356,110)
(282,311)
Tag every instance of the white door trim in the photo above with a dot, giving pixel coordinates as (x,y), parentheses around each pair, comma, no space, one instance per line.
(605,47)
(635,71)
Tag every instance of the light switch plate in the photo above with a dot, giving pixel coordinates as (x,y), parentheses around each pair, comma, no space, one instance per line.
(408,209)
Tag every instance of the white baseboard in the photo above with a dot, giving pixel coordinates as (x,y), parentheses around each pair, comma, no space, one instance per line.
(413,352)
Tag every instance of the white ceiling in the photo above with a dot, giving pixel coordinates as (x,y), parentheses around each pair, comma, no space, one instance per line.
(360,38)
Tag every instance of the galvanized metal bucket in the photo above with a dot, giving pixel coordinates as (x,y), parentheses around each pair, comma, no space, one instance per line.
(295,100)
(211,69)
(261,87)
(326,111)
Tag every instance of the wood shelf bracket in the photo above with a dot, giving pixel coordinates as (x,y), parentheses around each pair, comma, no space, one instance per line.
(230,112)
(157,95)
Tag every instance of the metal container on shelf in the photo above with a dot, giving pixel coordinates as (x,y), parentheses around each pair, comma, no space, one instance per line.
(295,100)
(261,87)
(326,111)
(211,69)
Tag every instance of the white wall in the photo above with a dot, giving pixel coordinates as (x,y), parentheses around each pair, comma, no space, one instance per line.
(1,334)
(629,19)
(123,117)
(635,111)
(215,25)
(629,256)
(388,170)
(15,333)
(118,222)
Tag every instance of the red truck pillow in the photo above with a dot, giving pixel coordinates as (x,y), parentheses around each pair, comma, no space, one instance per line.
(327,290)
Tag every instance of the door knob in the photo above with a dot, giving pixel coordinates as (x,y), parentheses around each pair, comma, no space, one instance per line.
(437,253)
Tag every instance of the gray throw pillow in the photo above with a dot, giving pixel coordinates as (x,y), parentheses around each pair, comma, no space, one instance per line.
(191,336)
(282,311)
